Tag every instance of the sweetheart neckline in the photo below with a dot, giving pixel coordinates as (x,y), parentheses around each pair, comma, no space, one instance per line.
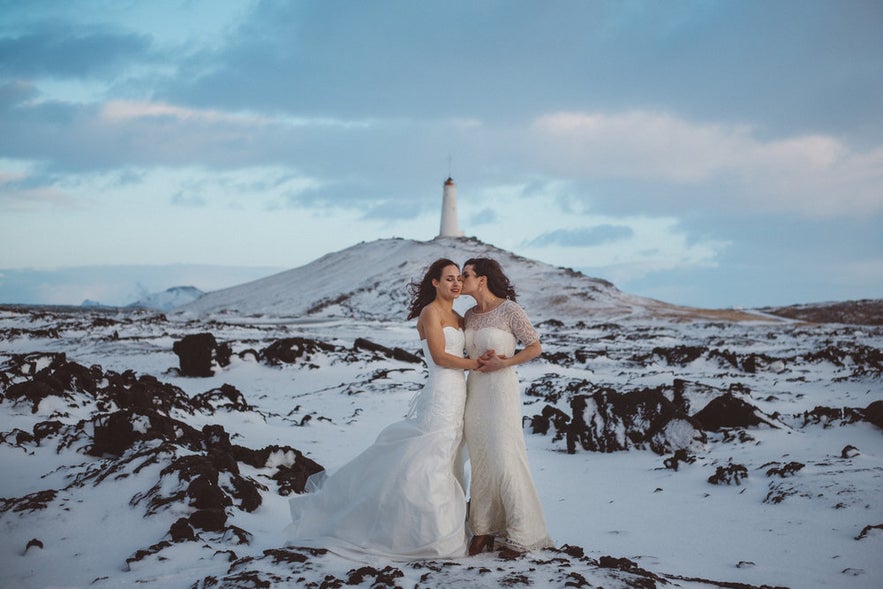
(460,329)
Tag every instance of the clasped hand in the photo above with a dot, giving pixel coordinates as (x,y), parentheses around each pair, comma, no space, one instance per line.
(490,361)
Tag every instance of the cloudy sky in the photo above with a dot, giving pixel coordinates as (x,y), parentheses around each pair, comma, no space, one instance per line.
(704,153)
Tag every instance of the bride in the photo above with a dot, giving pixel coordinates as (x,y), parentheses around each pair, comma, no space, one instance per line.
(403,497)
(504,501)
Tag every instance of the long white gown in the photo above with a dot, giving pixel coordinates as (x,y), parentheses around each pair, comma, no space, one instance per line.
(503,499)
(403,498)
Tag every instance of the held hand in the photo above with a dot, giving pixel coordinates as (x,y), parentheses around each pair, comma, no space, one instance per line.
(481,359)
(491,363)
(488,354)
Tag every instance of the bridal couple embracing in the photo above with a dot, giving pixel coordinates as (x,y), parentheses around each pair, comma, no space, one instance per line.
(404,497)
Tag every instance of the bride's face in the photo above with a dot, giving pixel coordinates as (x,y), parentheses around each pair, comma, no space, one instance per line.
(449,284)
(470,281)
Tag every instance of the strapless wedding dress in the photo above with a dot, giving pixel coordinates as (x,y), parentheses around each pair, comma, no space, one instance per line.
(403,497)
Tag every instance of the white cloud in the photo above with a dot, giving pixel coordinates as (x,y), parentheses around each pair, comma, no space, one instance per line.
(17,195)
(122,111)
(125,110)
(812,175)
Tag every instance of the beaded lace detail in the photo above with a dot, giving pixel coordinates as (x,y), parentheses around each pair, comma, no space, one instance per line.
(508,316)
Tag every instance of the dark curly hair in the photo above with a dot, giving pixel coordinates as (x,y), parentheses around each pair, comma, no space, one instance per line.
(423,292)
(497,282)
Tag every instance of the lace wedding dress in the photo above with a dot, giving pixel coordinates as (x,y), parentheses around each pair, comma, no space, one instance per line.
(402,498)
(503,499)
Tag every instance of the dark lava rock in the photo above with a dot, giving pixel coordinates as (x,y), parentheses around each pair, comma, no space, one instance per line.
(33,391)
(681,455)
(849,451)
(204,493)
(247,493)
(31,502)
(198,352)
(145,552)
(235,534)
(729,411)
(874,413)
(867,529)
(787,470)
(210,520)
(280,555)
(378,578)
(28,364)
(291,350)
(829,416)
(33,543)
(539,424)
(679,355)
(570,550)
(394,353)
(552,389)
(215,436)
(226,397)
(181,531)
(63,379)
(865,360)
(293,479)
(115,433)
(145,392)
(608,421)
(630,566)
(730,474)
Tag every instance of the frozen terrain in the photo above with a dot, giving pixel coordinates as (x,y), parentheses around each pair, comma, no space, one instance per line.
(670,447)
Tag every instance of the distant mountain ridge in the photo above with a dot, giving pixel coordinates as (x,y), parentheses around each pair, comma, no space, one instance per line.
(169,298)
(861,312)
(370,281)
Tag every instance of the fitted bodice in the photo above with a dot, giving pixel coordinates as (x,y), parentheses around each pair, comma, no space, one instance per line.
(478,341)
(454,341)
(441,402)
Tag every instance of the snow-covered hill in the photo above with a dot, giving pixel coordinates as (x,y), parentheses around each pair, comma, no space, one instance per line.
(370,281)
(169,298)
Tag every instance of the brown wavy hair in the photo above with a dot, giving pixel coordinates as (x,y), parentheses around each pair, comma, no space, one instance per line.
(497,282)
(423,292)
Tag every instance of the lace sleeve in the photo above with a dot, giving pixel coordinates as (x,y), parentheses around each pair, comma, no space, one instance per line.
(520,324)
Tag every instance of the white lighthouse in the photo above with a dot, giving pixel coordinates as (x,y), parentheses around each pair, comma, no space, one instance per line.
(448,226)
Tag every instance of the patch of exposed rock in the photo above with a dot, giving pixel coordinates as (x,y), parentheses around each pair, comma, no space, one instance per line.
(604,420)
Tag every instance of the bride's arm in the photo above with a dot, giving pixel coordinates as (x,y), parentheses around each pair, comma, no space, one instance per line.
(432,328)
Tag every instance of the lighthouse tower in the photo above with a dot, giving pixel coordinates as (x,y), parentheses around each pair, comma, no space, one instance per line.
(448,226)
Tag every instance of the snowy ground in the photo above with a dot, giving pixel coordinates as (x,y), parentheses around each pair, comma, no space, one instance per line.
(675,527)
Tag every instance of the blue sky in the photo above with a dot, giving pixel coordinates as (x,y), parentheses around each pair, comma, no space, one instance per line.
(704,153)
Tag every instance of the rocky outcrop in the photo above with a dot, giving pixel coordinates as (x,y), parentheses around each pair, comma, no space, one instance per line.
(729,474)
(295,349)
(730,411)
(392,353)
(199,353)
(609,421)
